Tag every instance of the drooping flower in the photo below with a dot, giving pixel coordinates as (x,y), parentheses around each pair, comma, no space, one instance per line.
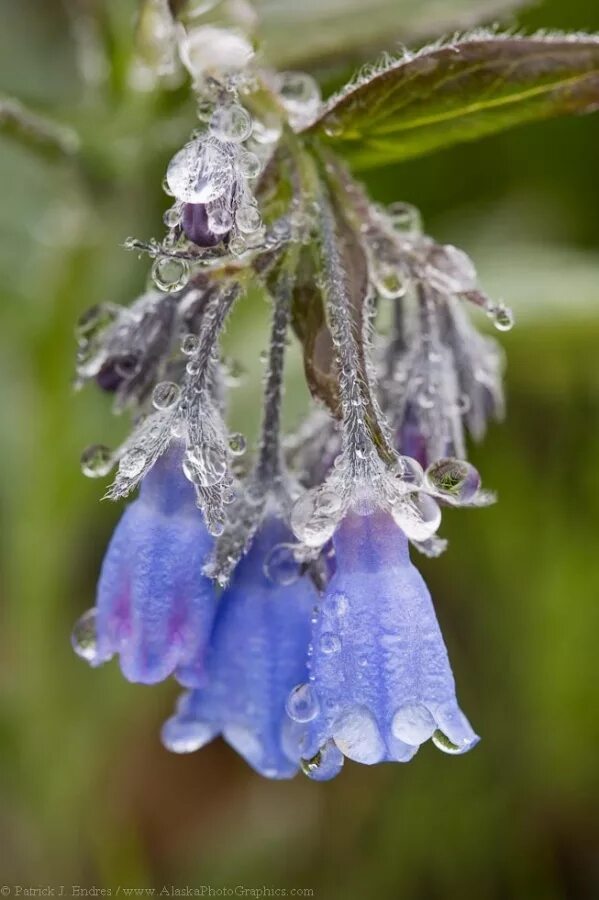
(380,680)
(154,607)
(257,654)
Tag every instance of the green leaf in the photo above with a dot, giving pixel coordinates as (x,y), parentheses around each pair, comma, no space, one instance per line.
(459,92)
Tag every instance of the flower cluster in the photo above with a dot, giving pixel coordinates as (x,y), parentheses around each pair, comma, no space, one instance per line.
(279,590)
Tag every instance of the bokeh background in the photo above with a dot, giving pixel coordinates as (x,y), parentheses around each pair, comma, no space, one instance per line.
(87,794)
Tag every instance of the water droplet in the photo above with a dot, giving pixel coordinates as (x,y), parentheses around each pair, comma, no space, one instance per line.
(315,514)
(333,126)
(204,109)
(408,474)
(248,218)
(329,643)
(220,219)
(96,461)
(302,704)
(413,724)
(231,123)
(209,48)
(453,478)
(165,394)
(417,515)
(237,245)
(442,742)
(248,164)
(503,317)
(325,764)
(267,130)
(132,463)
(338,603)
(281,566)
(300,95)
(169,273)
(200,173)
(172,216)
(185,735)
(190,344)
(389,282)
(237,444)
(205,466)
(84,637)
(405,218)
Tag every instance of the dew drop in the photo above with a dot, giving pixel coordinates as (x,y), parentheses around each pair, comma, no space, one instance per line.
(300,94)
(172,216)
(302,704)
(132,463)
(165,394)
(329,643)
(199,173)
(220,220)
(96,461)
(231,123)
(453,478)
(248,218)
(237,444)
(442,742)
(190,344)
(325,764)
(405,218)
(281,566)
(503,317)
(314,516)
(205,466)
(248,164)
(84,637)
(169,273)
(417,515)
(389,283)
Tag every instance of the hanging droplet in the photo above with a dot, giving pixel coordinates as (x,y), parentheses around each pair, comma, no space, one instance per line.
(172,216)
(96,461)
(190,344)
(132,463)
(503,317)
(442,742)
(405,218)
(417,515)
(205,466)
(454,479)
(300,95)
(248,218)
(281,565)
(84,638)
(208,48)
(389,282)
(237,444)
(248,163)
(169,273)
(325,764)
(408,474)
(314,516)
(220,219)
(165,394)
(231,123)
(302,704)
(200,173)
(329,643)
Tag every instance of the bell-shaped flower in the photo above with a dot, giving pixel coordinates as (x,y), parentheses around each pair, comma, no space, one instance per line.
(155,608)
(380,681)
(257,654)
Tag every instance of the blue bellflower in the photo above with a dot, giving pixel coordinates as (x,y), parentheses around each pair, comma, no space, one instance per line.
(154,607)
(380,680)
(257,654)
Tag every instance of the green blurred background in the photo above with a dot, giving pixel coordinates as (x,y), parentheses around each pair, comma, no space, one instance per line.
(87,794)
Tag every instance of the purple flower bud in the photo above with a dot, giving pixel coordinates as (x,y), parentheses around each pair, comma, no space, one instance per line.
(196,228)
